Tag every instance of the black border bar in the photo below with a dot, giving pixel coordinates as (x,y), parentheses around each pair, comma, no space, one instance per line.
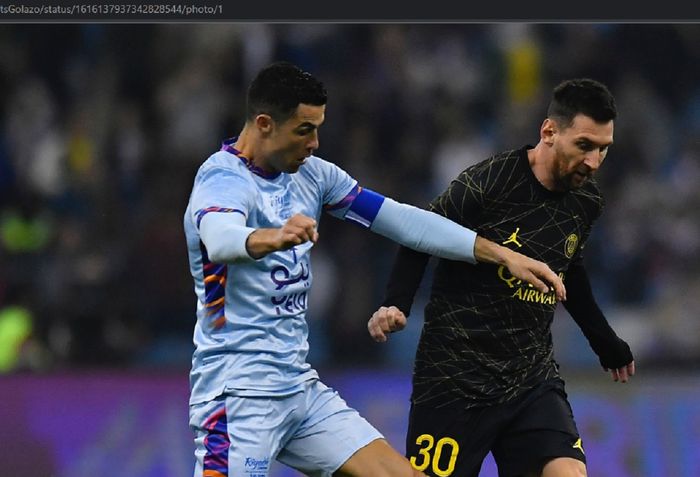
(354,11)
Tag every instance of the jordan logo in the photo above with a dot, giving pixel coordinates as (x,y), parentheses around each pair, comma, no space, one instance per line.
(579,445)
(514,238)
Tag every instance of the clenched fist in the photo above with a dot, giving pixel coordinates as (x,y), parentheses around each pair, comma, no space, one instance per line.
(297,230)
(385,320)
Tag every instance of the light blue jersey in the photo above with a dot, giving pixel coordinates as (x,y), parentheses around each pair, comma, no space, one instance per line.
(254,397)
(251,331)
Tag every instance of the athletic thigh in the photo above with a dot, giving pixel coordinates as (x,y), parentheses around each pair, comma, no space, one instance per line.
(451,441)
(330,434)
(543,429)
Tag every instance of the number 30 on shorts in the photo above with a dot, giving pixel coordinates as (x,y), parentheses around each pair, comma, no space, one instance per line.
(426,457)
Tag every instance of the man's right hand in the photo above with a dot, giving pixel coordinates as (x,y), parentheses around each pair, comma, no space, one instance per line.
(297,230)
(532,271)
(384,321)
(535,272)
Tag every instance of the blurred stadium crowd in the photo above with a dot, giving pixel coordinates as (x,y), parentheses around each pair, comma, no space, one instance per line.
(104,125)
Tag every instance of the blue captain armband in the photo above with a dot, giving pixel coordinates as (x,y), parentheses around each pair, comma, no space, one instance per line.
(360,206)
(365,207)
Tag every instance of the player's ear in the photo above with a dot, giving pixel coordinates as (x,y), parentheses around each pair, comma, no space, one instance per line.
(264,123)
(547,131)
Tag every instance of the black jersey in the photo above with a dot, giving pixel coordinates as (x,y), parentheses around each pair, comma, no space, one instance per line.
(486,336)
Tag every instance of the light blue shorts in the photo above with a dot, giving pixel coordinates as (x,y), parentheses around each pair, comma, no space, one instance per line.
(313,431)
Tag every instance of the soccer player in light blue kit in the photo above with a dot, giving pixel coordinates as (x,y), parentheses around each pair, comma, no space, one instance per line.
(250,226)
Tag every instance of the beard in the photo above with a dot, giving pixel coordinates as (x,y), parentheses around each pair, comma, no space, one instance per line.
(573,180)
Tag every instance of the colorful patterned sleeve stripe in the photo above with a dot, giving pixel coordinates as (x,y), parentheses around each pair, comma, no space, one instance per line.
(215,290)
(202,212)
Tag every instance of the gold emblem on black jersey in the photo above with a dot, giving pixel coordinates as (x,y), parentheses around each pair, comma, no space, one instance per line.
(570,245)
(579,445)
(514,238)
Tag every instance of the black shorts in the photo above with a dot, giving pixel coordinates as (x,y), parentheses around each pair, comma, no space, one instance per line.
(522,434)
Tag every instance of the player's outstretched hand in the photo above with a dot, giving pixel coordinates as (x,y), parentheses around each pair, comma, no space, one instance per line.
(537,273)
(532,271)
(384,321)
(622,374)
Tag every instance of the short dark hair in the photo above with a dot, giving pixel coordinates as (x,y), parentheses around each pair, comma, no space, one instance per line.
(581,96)
(279,88)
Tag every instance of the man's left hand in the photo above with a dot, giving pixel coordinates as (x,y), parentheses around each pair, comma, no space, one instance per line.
(622,374)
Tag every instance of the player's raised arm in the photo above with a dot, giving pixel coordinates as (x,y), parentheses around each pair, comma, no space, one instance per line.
(297,230)
(436,235)
(228,239)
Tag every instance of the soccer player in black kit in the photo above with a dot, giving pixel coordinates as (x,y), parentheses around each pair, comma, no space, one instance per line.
(485,378)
